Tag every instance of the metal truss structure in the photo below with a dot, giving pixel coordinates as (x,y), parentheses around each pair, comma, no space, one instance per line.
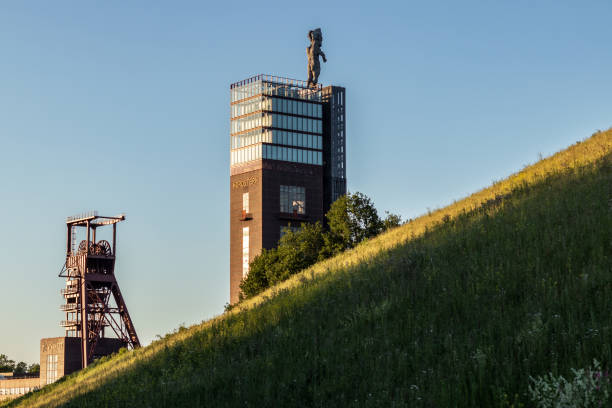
(93,301)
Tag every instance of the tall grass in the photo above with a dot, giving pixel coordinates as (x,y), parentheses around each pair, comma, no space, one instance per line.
(457,308)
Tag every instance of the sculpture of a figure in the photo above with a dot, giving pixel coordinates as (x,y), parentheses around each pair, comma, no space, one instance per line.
(313,52)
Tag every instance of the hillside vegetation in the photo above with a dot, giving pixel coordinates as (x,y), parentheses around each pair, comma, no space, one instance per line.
(456,308)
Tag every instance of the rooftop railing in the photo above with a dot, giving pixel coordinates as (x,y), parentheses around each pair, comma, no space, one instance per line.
(82,216)
(274,86)
(276,80)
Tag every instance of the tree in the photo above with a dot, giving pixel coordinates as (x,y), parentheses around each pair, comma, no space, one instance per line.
(6,364)
(351,218)
(391,221)
(297,250)
(34,369)
(257,281)
(20,369)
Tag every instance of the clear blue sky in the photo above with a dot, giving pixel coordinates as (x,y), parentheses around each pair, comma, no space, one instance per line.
(124,107)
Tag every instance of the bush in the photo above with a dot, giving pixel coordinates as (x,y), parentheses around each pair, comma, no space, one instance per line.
(590,387)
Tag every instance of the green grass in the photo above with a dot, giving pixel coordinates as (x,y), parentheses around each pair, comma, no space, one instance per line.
(456,308)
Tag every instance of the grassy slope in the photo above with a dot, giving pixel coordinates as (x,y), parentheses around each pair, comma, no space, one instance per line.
(456,308)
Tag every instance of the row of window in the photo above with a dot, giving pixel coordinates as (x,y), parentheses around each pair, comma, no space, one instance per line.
(297,139)
(303,108)
(314,110)
(246,91)
(245,155)
(17,390)
(250,138)
(294,123)
(276,120)
(273,89)
(250,106)
(277,137)
(246,123)
(292,199)
(272,152)
(51,368)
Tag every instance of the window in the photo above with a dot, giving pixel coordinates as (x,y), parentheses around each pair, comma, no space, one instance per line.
(245,252)
(51,368)
(245,202)
(293,199)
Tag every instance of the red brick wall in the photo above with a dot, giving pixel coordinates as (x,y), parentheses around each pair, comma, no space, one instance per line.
(262,179)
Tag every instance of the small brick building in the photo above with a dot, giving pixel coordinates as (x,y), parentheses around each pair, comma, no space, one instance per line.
(59,356)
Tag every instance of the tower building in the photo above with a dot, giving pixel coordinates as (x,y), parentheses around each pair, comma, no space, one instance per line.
(97,319)
(287,162)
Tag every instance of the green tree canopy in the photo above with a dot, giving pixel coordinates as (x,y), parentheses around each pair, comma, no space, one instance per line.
(18,369)
(257,279)
(6,364)
(351,218)
(21,369)
(296,250)
(391,221)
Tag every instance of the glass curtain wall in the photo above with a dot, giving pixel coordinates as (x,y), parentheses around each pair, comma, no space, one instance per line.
(275,121)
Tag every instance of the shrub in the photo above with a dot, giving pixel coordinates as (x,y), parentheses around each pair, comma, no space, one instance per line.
(590,387)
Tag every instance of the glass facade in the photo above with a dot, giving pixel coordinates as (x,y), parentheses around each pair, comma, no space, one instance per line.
(279,137)
(335,100)
(275,104)
(275,119)
(272,152)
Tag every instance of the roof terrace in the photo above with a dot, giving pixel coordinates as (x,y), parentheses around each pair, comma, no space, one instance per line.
(272,85)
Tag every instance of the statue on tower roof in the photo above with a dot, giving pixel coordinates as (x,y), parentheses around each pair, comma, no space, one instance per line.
(313,52)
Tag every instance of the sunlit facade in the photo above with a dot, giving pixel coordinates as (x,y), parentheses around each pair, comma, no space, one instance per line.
(275,119)
(281,162)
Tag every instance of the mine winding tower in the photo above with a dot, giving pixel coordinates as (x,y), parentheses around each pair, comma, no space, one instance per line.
(93,301)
